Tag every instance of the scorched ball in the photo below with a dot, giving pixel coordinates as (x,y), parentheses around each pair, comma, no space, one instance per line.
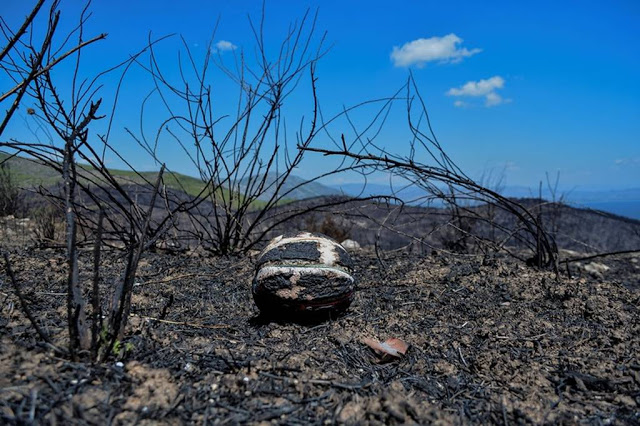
(303,274)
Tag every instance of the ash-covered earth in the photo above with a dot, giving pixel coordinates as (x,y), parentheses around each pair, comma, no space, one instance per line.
(491,341)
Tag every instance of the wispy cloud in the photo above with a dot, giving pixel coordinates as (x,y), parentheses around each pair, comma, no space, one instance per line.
(224,46)
(634,161)
(511,166)
(493,99)
(478,88)
(481,88)
(442,49)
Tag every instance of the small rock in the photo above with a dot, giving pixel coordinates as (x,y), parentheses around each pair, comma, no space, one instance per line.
(596,269)
(351,245)
(197,252)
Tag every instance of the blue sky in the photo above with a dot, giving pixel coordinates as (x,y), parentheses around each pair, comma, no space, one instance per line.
(522,88)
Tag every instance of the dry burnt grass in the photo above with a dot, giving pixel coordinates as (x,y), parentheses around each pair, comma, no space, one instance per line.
(491,341)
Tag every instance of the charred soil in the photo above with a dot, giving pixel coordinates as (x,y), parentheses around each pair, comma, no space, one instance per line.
(490,341)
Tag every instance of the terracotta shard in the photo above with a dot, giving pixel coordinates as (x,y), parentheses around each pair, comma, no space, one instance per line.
(393,347)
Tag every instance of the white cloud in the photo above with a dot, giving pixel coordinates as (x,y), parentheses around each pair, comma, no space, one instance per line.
(478,88)
(419,52)
(482,88)
(634,161)
(460,104)
(224,46)
(493,99)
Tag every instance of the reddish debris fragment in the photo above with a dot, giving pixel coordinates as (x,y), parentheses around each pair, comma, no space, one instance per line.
(392,348)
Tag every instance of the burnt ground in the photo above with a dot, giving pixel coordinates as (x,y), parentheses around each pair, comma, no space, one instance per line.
(491,341)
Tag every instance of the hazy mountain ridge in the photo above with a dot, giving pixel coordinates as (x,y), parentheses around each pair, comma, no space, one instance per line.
(623,202)
(581,230)
(570,195)
(294,188)
(30,173)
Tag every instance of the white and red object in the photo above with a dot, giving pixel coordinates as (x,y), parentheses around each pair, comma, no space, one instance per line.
(303,273)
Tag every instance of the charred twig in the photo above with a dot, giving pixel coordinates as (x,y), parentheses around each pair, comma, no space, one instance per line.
(34,61)
(96,324)
(425,173)
(242,158)
(185,323)
(439,177)
(21,31)
(121,303)
(165,308)
(50,65)
(596,256)
(23,303)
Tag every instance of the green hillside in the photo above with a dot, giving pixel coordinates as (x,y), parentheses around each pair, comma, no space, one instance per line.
(190,185)
(28,173)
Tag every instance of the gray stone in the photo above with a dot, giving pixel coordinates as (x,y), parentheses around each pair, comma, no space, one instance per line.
(351,245)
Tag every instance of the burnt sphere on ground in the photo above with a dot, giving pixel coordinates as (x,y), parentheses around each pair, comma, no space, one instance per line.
(303,274)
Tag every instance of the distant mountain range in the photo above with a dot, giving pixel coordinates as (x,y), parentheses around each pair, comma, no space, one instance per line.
(295,188)
(573,196)
(577,195)
(577,229)
(623,202)
(28,173)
